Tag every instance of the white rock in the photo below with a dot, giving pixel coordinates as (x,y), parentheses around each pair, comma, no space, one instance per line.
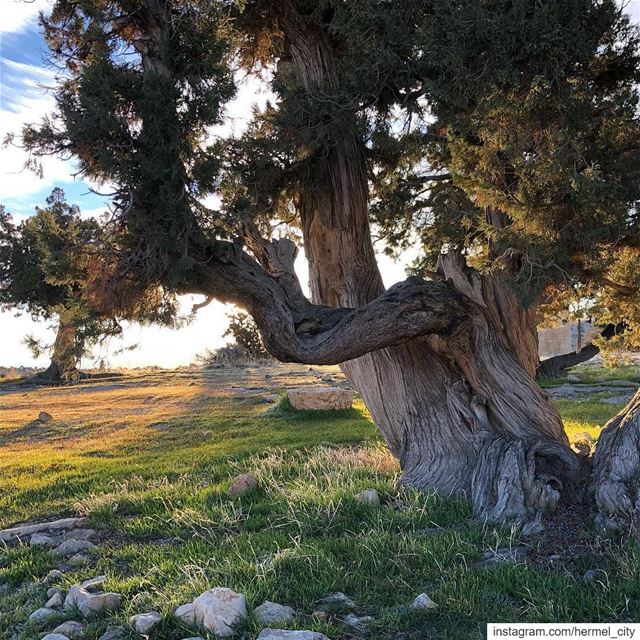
(337,598)
(423,603)
(42,614)
(369,496)
(273,613)
(78,559)
(90,604)
(283,634)
(55,636)
(72,629)
(143,623)
(219,610)
(52,591)
(186,613)
(55,601)
(113,632)
(320,398)
(72,546)
(242,484)
(27,529)
(357,622)
(81,534)
(41,539)
(93,584)
(53,576)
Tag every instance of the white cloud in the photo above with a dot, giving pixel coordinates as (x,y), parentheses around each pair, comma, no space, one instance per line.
(18,15)
(24,99)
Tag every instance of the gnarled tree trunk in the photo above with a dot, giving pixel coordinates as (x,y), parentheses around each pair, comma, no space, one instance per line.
(462,413)
(64,357)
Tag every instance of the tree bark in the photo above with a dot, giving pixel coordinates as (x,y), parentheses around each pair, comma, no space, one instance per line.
(461,410)
(63,367)
(616,472)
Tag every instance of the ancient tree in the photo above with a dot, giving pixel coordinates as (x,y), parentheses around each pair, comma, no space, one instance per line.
(44,265)
(500,138)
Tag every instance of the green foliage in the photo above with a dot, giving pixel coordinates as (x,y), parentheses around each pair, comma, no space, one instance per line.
(45,269)
(142,87)
(246,334)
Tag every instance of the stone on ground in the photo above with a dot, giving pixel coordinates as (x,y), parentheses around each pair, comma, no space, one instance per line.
(54,575)
(71,629)
(42,614)
(242,484)
(91,604)
(369,496)
(81,534)
(7,535)
(219,610)
(337,599)
(273,613)
(93,584)
(55,636)
(284,634)
(51,591)
(186,613)
(78,559)
(72,546)
(320,398)
(41,539)
(113,632)
(55,601)
(44,417)
(423,603)
(143,623)
(357,622)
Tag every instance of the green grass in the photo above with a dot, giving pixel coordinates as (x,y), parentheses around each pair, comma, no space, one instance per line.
(158,498)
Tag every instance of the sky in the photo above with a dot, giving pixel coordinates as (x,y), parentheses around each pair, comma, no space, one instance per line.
(24,98)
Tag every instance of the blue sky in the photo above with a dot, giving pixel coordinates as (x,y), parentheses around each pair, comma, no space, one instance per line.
(24,98)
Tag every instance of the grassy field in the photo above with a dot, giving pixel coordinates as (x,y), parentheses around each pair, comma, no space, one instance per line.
(149,460)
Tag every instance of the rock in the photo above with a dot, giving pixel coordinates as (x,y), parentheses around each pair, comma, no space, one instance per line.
(241,485)
(55,601)
(219,610)
(42,539)
(52,592)
(423,603)
(55,636)
(72,629)
(53,576)
(273,613)
(72,546)
(337,599)
(25,530)
(186,613)
(572,377)
(81,534)
(283,634)
(93,584)
(42,614)
(143,623)
(320,398)
(369,496)
(357,622)
(113,632)
(327,378)
(78,559)
(320,615)
(194,638)
(44,417)
(90,604)
(594,575)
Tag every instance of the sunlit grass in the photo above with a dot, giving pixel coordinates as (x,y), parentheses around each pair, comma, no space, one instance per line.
(150,464)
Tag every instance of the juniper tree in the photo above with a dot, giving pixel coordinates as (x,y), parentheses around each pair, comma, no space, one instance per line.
(44,267)
(501,136)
